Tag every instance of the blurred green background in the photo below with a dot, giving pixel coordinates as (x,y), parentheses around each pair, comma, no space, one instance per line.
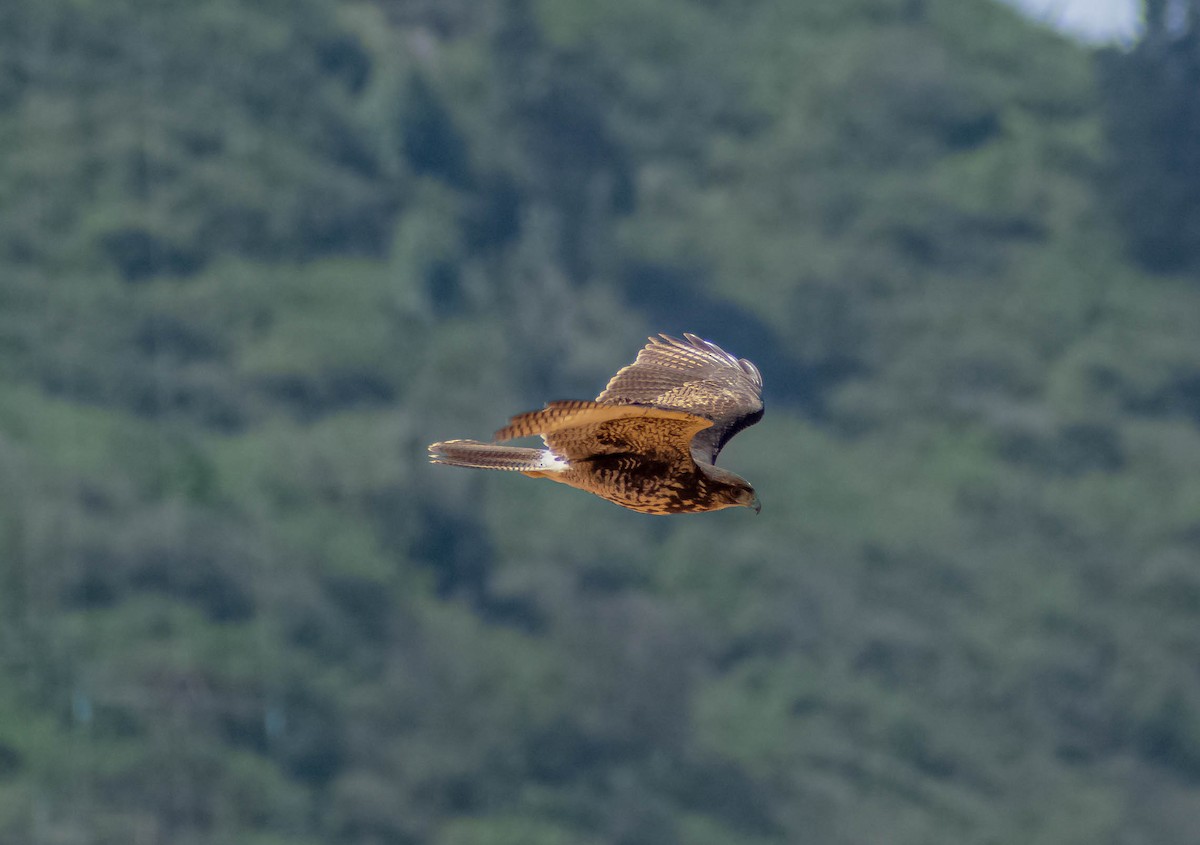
(255,254)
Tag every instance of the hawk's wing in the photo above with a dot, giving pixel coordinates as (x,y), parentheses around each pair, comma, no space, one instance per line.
(560,416)
(580,429)
(697,377)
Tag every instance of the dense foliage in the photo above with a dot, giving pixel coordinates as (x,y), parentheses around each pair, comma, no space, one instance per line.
(1153,121)
(255,255)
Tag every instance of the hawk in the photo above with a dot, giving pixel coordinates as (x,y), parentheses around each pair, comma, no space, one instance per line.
(648,442)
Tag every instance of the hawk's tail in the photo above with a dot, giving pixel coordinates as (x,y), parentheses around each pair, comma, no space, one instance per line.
(473,453)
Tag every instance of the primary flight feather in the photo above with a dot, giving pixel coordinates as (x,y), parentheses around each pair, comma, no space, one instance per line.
(650,440)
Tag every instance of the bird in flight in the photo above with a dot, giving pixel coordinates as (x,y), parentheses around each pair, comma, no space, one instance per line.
(649,442)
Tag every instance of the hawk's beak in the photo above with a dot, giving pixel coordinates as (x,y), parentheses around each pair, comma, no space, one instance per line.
(756,504)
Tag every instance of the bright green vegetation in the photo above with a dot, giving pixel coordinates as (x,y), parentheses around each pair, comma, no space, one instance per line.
(255,255)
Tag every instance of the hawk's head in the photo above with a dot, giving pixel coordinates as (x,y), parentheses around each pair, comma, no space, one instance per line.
(746,497)
(731,490)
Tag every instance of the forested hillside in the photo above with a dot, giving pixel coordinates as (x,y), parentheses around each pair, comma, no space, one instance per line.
(256,254)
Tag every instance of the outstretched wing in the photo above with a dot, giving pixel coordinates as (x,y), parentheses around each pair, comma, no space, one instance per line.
(577,430)
(561,416)
(697,377)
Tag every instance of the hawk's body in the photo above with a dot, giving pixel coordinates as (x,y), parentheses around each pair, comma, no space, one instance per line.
(649,441)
